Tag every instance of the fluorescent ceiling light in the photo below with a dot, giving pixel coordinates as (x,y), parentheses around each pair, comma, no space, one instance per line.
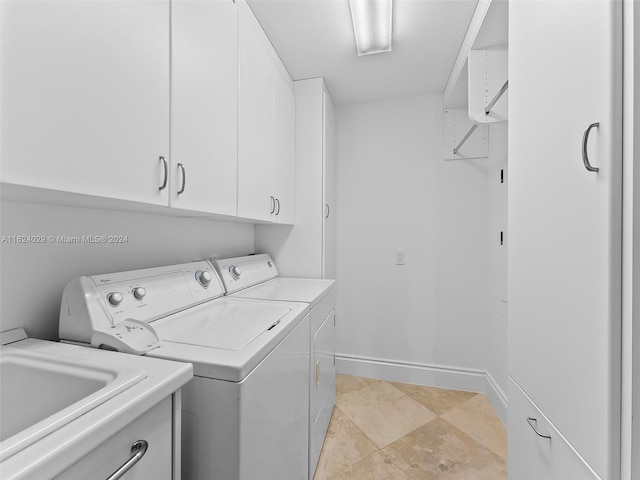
(372,25)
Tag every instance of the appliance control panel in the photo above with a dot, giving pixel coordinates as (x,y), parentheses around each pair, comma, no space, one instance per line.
(123,304)
(239,273)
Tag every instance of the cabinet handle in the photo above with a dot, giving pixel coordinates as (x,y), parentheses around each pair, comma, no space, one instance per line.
(530,422)
(138,449)
(273,204)
(585,141)
(278,203)
(184,178)
(326,214)
(166,173)
(317,374)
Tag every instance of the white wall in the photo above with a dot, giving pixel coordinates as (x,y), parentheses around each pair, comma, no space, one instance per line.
(34,275)
(396,192)
(497,315)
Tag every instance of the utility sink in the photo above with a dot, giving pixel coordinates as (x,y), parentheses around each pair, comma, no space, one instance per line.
(41,392)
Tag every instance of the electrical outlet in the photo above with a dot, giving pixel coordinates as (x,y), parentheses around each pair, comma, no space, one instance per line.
(400,257)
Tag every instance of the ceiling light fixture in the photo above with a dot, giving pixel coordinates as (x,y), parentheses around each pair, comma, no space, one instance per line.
(372,25)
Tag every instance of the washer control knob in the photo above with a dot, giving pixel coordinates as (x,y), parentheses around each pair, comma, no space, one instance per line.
(115,298)
(270,263)
(139,292)
(235,272)
(203,277)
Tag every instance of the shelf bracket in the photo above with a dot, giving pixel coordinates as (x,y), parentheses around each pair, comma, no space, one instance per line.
(490,105)
(465,138)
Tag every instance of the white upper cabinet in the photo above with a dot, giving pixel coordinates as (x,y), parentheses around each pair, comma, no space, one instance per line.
(255,120)
(265,127)
(84,95)
(204,105)
(565,219)
(284,112)
(309,248)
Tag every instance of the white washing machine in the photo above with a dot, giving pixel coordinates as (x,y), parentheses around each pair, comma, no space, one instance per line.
(256,276)
(244,414)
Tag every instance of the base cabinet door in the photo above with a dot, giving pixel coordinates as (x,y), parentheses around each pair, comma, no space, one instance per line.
(85,97)
(154,427)
(537,451)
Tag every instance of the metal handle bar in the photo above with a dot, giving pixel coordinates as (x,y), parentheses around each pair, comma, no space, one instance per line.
(138,449)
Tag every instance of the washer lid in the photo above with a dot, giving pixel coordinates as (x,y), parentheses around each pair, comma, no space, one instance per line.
(227,338)
(222,325)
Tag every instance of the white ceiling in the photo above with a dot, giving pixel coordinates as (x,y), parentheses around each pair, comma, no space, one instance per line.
(315,38)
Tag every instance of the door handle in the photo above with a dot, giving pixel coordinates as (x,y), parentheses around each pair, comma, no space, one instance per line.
(585,155)
(184,178)
(531,422)
(166,173)
(327,207)
(138,449)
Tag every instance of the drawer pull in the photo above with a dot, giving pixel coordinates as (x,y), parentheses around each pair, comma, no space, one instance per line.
(138,449)
(531,422)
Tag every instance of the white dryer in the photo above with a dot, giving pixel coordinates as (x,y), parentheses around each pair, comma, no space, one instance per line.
(244,414)
(256,276)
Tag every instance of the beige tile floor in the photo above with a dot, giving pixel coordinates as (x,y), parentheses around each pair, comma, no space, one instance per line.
(393,431)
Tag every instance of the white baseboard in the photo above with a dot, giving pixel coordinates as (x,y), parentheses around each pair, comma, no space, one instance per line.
(454,378)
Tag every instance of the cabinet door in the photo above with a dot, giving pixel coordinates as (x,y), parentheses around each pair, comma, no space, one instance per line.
(284,137)
(157,463)
(329,189)
(85,97)
(532,456)
(256,196)
(564,221)
(204,105)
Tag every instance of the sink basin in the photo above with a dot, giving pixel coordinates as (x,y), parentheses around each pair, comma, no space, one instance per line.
(40,392)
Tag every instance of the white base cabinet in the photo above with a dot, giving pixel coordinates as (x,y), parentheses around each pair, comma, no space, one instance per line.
(156,427)
(533,456)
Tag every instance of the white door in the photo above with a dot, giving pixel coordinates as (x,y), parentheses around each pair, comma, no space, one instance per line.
(256,198)
(85,97)
(204,41)
(564,220)
(284,174)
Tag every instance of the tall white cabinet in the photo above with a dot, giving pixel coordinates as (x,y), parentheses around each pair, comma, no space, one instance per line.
(565,239)
(85,88)
(308,248)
